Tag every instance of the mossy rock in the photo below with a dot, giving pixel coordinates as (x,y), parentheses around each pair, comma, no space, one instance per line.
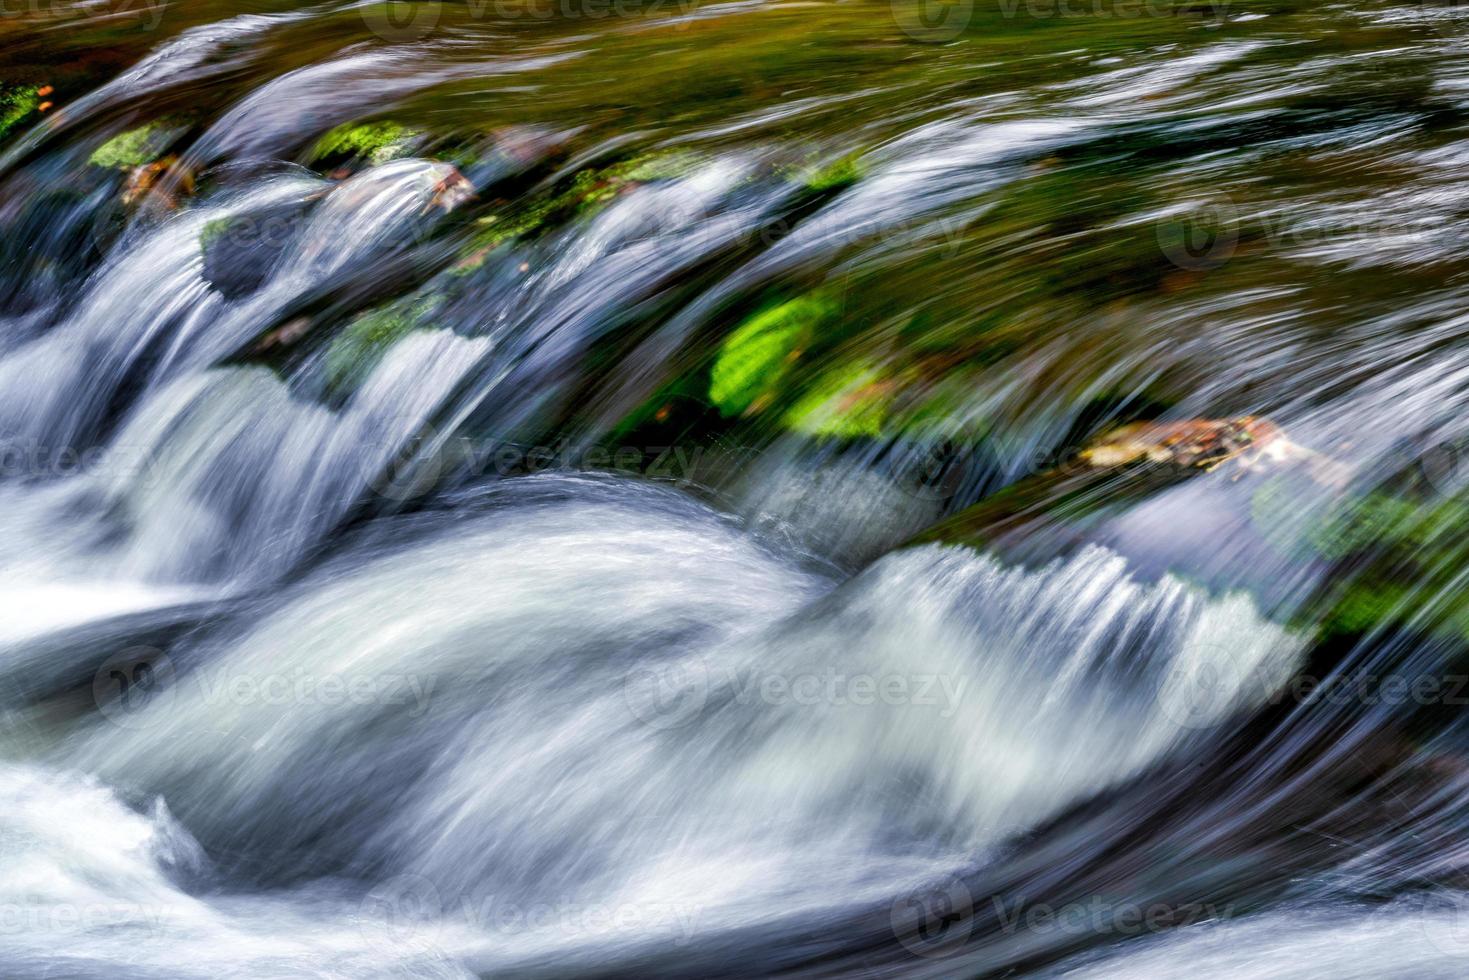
(17,104)
(373,142)
(241,251)
(136,147)
(360,346)
(825,176)
(1383,559)
(756,359)
(848,402)
(579,198)
(1380,540)
(656,166)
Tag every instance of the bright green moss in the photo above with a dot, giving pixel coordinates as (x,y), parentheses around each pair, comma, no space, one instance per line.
(848,402)
(833,175)
(376,142)
(135,147)
(16,103)
(664,165)
(356,350)
(757,357)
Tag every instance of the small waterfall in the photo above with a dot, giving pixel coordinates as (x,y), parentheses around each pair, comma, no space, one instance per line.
(491,494)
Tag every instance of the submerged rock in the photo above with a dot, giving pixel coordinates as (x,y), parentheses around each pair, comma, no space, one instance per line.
(241,251)
(358,348)
(1234,503)
(357,143)
(135,147)
(285,335)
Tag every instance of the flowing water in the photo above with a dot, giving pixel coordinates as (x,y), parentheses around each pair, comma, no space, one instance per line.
(578,489)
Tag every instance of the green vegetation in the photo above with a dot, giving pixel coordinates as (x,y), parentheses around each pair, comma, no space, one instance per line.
(832,175)
(845,403)
(213,231)
(757,356)
(375,142)
(582,196)
(135,147)
(358,347)
(17,102)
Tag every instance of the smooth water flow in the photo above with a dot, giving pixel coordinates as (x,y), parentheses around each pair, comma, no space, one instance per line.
(706,490)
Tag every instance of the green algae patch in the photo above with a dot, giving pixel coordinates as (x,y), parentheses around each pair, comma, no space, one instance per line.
(16,103)
(830,175)
(757,357)
(375,142)
(847,403)
(587,192)
(213,231)
(135,147)
(357,349)
(659,165)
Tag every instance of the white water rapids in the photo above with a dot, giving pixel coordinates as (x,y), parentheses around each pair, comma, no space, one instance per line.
(301,679)
(571,722)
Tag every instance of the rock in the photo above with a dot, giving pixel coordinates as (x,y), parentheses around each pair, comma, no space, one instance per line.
(242,250)
(356,349)
(136,147)
(1107,490)
(356,143)
(1203,443)
(1251,443)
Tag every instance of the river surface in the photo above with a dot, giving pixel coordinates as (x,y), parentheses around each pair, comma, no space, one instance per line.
(484,489)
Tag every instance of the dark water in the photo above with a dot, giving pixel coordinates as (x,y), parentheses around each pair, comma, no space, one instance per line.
(582,488)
